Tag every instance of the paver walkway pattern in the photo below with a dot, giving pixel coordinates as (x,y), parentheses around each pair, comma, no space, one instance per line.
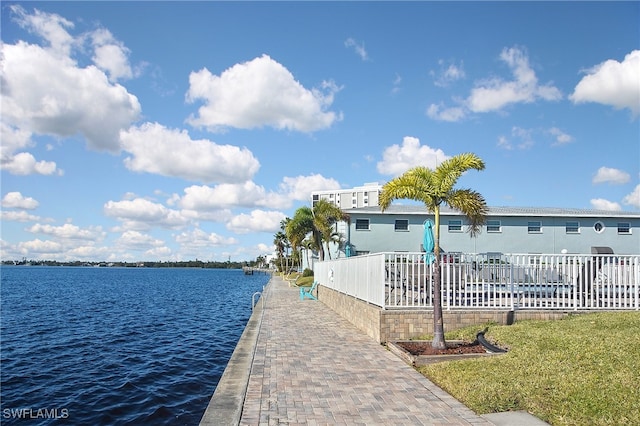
(313,367)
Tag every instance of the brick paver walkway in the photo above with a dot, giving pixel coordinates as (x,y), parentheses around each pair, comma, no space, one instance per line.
(313,367)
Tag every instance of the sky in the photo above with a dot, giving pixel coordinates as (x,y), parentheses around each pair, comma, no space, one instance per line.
(168,131)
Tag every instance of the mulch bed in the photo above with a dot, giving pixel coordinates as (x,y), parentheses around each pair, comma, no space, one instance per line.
(424,348)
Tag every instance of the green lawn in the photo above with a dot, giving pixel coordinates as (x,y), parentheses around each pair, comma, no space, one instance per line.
(582,370)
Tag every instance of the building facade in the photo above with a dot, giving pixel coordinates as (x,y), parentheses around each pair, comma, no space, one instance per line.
(507,230)
(360,196)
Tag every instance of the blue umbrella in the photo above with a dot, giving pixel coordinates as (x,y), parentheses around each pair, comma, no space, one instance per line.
(428,242)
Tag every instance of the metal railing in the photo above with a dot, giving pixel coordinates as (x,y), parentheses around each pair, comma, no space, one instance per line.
(489,280)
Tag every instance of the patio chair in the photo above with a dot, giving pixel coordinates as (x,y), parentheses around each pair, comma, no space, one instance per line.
(307,292)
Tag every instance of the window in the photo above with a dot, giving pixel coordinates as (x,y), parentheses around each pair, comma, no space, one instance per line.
(572,227)
(534,227)
(316,197)
(362,224)
(624,228)
(494,226)
(455,226)
(402,225)
(598,227)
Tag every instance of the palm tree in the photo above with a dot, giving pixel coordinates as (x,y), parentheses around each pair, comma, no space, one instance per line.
(325,216)
(434,188)
(280,241)
(318,221)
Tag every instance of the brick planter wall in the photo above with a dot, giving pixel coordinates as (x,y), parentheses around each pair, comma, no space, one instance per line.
(395,324)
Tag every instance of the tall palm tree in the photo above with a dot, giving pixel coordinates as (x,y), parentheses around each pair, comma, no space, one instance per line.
(280,241)
(434,188)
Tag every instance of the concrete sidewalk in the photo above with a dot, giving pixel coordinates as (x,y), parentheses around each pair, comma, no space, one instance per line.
(306,365)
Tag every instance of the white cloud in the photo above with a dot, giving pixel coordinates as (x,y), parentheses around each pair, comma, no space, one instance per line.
(198,238)
(248,194)
(110,55)
(448,74)
(441,113)
(612,83)
(40,247)
(18,216)
(69,231)
(494,94)
(610,175)
(357,47)
(45,91)
(134,240)
(633,199)
(168,152)
(25,163)
(142,214)
(15,200)
(259,93)
(602,204)
(398,159)
(256,221)
(561,137)
(300,187)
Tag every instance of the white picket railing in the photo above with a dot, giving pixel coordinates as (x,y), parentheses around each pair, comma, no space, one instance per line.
(489,280)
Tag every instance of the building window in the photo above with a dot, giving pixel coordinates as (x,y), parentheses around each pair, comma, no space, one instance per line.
(455,226)
(362,224)
(572,227)
(402,225)
(598,227)
(494,226)
(624,228)
(316,197)
(534,227)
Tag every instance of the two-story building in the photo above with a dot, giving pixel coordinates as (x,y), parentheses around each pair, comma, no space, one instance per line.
(526,230)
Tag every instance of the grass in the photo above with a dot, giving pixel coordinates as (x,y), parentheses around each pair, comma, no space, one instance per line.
(582,370)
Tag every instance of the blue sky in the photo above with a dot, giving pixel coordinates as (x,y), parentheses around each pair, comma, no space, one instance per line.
(183,130)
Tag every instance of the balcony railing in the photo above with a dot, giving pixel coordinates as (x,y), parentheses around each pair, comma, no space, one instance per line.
(488,280)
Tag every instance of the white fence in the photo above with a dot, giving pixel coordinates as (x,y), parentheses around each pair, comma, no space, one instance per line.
(486,281)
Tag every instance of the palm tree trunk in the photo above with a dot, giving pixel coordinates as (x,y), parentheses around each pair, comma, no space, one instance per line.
(438,326)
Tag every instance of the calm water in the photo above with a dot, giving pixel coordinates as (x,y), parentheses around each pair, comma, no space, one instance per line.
(118,345)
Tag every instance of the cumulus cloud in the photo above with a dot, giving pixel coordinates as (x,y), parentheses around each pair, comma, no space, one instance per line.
(612,83)
(247,194)
(45,91)
(494,94)
(258,93)
(111,55)
(142,214)
(300,187)
(357,47)
(134,240)
(256,221)
(21,163)
(633,199)
(610,175)
(602,204)
(18,216)
(198,238)
(171,152)
(69,231)
(15,200)
(398,159)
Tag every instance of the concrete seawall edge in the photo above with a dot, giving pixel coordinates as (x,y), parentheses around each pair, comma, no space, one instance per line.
(225,406)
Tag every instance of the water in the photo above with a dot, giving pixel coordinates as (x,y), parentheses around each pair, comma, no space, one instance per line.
(117,345)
